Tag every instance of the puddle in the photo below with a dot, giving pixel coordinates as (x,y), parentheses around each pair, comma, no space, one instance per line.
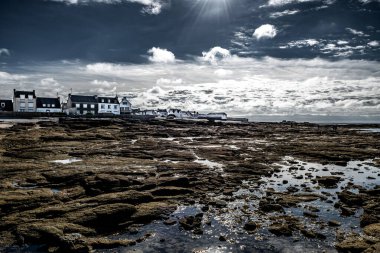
(229,221)
(369,130)
(67,161)
(5,125)
(208,163)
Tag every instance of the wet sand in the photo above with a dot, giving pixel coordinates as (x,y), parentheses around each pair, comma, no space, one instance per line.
(172,186)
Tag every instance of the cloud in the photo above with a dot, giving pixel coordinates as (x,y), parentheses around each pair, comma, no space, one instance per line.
(223,72)
(151,6)
(301,43)
(215,54)
(283,13)
(236,85)
(368,1)
(373,43)
(356,32)
(159,55)
(4,51)
(169,81)
(265,31)
(285,2)
(104,84)
(49,83)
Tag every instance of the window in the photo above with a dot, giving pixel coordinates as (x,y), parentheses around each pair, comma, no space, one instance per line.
(103,106)
(52,105)
(77,105)
(30,96)
(115,107)
(22,96)
(22,105)
(30,104)
(31,110)
(92,106)
(84,105)
(84,112)
(2,104)
(43,105)
(102,100)
(109,106)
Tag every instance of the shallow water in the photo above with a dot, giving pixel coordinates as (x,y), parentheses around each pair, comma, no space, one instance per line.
(243,206)
(370,130)
(67,161)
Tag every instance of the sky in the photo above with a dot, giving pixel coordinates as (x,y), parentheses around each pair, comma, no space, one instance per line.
(243,57)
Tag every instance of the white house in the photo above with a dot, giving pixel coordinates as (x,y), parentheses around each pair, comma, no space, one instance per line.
(125,106)
(179,114)
(162,113)
(48,105)
(109,105)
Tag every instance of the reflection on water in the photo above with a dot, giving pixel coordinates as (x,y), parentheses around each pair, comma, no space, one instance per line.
(222,228)
(67,161)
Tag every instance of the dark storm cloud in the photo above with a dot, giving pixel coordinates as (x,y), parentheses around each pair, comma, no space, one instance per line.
(121,32)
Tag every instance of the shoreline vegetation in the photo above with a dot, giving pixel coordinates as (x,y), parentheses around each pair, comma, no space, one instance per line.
(106,185)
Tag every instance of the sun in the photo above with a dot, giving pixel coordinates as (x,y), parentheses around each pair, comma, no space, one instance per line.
(211,9)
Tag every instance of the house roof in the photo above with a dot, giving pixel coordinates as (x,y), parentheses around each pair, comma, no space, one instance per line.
(17,93)
(6,105)
(83,99)
(113,100)
(48,101)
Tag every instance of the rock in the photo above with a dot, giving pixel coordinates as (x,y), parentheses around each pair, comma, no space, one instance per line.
(222,238)
(367,219)
(334,223)
(372,230)
(353,243)
(250,226)
(267,207)
(312,234)
(289,200)
(351,199)
(310,214)
(346,211)
(218,203)
(170,181)
(280,229)
(148,212)
(191,223)
(329,181)
(170,222)
(103,217)
(170,191)
(373,249)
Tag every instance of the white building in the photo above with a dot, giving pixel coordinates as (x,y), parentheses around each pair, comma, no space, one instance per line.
(108,105)
(179,114)
(125,106)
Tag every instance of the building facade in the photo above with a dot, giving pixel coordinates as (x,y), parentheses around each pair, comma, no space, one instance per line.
(24,101)
(6,105)
(48,105)
(108,105)
(125,106)
(82,105)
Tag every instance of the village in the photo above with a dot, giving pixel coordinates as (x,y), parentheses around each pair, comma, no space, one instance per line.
(26,103)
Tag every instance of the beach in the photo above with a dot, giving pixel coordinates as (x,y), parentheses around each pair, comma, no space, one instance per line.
(114,185)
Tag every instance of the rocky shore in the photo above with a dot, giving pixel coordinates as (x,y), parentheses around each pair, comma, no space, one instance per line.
(86,185)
